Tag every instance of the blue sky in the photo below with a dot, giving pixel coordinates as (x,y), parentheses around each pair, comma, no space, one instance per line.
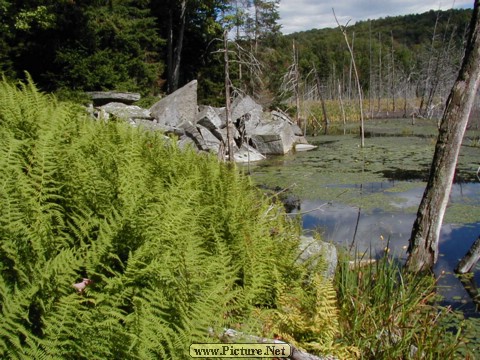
(300,15)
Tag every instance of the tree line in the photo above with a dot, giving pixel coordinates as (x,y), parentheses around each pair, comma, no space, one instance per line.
(405,63)
(147,46)
(151,47)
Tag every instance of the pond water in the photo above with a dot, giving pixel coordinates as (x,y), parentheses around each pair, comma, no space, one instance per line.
(366,199)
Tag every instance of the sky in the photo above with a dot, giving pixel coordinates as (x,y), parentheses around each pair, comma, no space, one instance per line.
(301,15)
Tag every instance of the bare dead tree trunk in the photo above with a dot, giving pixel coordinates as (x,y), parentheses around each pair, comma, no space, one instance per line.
(342,107)
(359,88)
(423,243)
(296,84)
(322,100)
(429,64)
(393,74)
(350,69)
(176,57)
(380,73)
(228,111)
(370,84)
(437,77)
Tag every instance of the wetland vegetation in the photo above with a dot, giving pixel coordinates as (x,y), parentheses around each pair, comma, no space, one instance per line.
(365,200)
(173,244)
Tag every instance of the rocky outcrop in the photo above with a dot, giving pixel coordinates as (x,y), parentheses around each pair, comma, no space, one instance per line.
(178,108)
(100,98)
(256,133)
(127,112)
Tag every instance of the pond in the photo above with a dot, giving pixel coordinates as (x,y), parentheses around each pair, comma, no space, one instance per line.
(366,199)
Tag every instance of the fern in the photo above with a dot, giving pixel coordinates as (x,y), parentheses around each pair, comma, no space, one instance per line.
(174,242)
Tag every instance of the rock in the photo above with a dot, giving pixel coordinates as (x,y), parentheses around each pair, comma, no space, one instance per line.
(223,134)
(126,112)
(177,108)
(210,141)
(304,147)
(243,105)
(313,249)
(257,133)
(149,125)
(209,118)
(100,98)
(185,142)
(273,137)
(192,132)
(247,154)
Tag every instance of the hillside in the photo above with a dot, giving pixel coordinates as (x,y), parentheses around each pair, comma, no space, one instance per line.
(412,56)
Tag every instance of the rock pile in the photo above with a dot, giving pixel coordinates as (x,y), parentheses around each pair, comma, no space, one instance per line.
(256,133)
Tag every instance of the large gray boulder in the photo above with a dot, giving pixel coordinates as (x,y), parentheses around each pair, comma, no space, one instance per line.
(210,141)
(245,106)
(209,117)
(126,112)
(272,136)
(192,131)
(100,98)
(247,154)
(177,108)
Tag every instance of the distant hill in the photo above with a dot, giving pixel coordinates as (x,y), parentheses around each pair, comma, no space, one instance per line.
(414,56)
(409,30)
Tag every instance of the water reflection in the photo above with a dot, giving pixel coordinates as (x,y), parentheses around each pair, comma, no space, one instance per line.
(375,230)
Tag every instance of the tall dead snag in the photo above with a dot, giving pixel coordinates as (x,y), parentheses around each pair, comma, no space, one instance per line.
(322,100)
(423,243)
(359,88)
(228,112)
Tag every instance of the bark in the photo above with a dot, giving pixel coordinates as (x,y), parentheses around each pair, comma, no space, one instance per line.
(423,243)
(470,259)
(322,100)
(228,111)
(175,53)
(430,57)
(296,84)
(342,108)
(393,74)
(359,88)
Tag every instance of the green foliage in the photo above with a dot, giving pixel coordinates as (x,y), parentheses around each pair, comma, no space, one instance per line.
(307,316)
(174,242)
(387,314)
(83,45)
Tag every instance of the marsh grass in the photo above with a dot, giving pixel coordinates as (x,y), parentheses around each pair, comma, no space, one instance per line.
(389,314)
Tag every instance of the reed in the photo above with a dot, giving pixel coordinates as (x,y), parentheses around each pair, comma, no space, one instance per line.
(389,314)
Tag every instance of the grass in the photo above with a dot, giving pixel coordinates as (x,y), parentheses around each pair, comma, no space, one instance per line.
(388,314)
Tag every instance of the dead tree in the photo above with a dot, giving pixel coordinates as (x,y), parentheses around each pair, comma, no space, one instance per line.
(421,110)
(291,83)
(228,111)
(423,243)
(359,88)
(322,100)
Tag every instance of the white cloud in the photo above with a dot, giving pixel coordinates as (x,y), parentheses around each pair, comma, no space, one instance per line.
(301,15)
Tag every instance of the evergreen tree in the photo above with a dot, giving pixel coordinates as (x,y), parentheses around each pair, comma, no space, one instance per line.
(84,45)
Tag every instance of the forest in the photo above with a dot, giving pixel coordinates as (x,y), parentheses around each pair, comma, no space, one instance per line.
(155,47)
